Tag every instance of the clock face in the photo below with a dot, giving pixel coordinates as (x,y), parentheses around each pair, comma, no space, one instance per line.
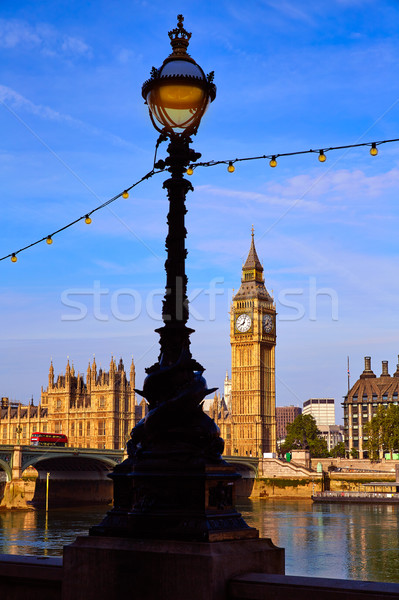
(243,323)
(267,323)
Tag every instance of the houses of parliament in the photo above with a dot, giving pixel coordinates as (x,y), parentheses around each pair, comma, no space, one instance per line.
(101,411)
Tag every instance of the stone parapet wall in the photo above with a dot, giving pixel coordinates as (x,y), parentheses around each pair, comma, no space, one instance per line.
(354,482)
(277,487)
(270,467)
(30,578)
(257,586)
(387,466)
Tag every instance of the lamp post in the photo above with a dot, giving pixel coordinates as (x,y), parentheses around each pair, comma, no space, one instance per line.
(18,431)
(174,483)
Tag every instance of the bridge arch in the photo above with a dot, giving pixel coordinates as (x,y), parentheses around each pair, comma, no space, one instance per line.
(248,468)
(67,462)
(7,469)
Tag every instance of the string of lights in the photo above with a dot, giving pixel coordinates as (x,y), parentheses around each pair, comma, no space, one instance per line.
(159,167)
(273,157)
(87,217)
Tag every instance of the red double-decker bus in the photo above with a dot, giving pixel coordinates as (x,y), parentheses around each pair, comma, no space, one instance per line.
(48,439)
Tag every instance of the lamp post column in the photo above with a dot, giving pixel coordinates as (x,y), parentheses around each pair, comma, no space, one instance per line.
(175,312)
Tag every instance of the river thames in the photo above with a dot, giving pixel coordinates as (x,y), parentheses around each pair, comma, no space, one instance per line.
(320,540)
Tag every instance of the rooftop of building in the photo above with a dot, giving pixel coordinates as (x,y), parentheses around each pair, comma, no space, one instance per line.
(371,387)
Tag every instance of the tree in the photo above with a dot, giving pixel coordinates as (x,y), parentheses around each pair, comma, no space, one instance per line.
(338,450)
(383,432)
(303,433)
(354,453)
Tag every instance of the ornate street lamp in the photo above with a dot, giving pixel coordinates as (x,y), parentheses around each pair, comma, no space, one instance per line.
(178,93)
(174,483)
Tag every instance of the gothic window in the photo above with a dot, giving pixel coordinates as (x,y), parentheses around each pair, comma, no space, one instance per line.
(101,402)
(58,405)
(88,428)
(101,428)
(72,428)
(80,428)
(44,428)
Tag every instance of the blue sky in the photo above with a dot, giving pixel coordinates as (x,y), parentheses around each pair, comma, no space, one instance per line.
(74,132)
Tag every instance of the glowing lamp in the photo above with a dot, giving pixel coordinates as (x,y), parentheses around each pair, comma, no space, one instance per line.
(179,92)
(373,149)
(322,156)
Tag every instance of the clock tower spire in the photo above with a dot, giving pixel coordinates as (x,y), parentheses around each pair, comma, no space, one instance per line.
(253,341)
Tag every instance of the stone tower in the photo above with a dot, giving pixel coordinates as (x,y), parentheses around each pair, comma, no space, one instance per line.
(253,340)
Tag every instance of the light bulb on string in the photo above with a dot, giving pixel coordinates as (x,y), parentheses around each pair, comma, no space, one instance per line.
(231,168)
(13,258)
(87,220)
(125,194)
(49,240)
(322,156)
(189,171)
(373,149)
(273,162)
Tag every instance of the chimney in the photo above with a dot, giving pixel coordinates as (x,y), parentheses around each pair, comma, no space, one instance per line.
(396,374)
(367,368)
(385,369)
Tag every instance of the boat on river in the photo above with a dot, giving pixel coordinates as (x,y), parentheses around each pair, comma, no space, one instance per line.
(390,495)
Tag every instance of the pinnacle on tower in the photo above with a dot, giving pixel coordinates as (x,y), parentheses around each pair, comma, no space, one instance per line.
(252,261)
(51,375)
(252,281)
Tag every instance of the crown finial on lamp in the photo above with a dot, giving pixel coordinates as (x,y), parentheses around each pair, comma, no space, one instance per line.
(179,38)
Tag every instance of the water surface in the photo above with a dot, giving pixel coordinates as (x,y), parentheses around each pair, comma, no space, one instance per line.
(320,540)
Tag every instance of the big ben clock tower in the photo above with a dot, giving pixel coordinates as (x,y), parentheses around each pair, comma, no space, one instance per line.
(253,340)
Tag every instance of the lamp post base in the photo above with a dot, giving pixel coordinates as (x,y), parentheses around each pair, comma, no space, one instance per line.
(160,502)
(152,569)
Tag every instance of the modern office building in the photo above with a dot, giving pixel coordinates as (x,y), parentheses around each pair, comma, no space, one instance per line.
(322,409)
(333,434)
(284,416)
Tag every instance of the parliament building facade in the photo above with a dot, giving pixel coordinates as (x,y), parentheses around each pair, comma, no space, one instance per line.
(98,413)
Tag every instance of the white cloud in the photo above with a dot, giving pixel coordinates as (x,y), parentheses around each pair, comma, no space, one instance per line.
(277,199)
(14,100)
(19,34)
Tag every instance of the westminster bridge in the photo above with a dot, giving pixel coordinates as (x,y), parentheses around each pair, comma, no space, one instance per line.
(76,475)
